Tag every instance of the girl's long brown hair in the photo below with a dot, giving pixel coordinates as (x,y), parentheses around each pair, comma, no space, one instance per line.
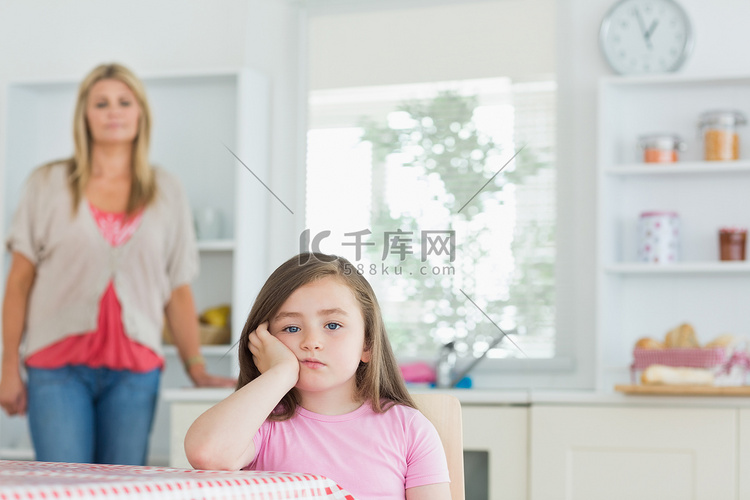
(379,381)
(143,187)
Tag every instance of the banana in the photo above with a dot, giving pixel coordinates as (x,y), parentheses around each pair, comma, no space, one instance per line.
(216,316)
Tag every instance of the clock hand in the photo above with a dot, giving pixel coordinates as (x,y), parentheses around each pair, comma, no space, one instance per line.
(640,20)
(642,25)
(651,29)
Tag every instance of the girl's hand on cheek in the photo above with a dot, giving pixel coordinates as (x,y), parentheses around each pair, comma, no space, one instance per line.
(269,352)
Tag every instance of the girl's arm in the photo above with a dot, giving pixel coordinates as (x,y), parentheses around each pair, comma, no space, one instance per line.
(438,491)
(20,280)
(183,324)
(222,437)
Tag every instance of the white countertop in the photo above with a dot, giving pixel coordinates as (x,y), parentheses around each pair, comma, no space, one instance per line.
(479,397)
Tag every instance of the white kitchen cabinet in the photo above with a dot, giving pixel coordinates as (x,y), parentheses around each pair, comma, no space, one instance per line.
(592,453)
(197,119)
(181,417)
(744,458)
(656,447)
(640,299)
(502,432)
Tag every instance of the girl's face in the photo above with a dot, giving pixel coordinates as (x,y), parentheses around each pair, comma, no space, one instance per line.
(322,324)
(112,112)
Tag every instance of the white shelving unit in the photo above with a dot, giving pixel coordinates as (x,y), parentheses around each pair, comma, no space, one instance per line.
(681,168)
(638,299)
(223,245)
(679,268)
(197,116)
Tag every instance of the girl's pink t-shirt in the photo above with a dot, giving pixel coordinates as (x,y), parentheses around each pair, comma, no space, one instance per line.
(108,346)
(374,456)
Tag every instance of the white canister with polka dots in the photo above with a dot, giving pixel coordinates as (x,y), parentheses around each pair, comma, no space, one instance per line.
(659,237)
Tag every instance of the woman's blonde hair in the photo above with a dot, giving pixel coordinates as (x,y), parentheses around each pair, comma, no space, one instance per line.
(378,381)
(143,187)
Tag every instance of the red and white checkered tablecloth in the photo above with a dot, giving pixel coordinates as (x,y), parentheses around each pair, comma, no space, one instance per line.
(68,481)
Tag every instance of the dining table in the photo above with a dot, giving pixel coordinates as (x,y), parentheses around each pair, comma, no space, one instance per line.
(29,480)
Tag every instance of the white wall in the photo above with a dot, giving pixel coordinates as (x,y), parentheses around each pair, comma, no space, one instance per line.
(51,39)
(431,41)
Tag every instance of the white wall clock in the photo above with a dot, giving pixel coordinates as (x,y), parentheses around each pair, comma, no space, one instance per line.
(646,36)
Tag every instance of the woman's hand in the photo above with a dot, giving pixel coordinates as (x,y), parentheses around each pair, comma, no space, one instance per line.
(183,322)
(21,276)
(13,394)
(201,378)
(269,352)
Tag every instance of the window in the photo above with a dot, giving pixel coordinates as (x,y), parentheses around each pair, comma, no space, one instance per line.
(443,196)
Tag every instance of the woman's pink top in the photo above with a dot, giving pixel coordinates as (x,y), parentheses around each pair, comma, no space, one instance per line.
(107,346)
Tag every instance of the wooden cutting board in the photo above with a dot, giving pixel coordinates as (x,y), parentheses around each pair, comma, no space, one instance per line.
(684,390)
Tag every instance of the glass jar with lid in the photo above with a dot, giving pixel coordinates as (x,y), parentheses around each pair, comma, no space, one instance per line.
(660,148)
(720,139)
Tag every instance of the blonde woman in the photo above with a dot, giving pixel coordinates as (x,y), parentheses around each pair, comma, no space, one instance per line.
(102,249)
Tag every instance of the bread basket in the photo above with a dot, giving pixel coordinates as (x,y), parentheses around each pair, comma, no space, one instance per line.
(679,357)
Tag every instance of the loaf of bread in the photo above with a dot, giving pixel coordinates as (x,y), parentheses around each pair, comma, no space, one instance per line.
(670,375)
(724,340)
(683,336)
(648,343)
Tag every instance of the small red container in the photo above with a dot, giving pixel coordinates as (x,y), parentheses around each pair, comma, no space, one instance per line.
(732,243)
(661,148)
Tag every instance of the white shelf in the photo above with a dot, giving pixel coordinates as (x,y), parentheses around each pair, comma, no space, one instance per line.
(680,168)
(639,299)
(671,80)
(215,245)
(678,268)
(207,350)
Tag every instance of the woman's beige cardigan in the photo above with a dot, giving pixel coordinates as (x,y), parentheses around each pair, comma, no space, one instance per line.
(74,263)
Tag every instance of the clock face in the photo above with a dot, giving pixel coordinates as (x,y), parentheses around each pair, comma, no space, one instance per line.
(645,36)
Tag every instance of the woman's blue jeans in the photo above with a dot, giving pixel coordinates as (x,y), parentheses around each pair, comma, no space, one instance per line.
(91,415)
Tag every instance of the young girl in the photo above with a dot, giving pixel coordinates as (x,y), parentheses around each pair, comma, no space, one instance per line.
(320,392)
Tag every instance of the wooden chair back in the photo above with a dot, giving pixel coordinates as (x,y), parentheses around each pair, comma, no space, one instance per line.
(444,412)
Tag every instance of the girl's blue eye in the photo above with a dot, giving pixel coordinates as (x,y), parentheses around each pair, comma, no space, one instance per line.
(291,329)
(125,103)
(333,326)
(101,104)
